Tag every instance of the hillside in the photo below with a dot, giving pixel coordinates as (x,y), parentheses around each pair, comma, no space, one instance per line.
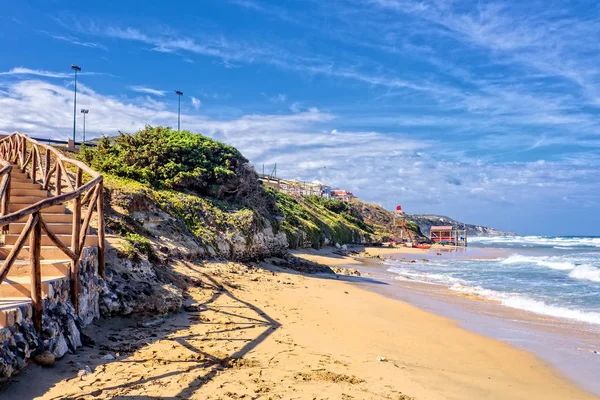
(425,222)
(212,192)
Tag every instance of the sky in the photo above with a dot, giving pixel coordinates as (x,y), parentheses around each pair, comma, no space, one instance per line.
(487,112)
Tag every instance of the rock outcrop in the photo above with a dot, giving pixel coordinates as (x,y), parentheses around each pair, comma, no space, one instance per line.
(425,222)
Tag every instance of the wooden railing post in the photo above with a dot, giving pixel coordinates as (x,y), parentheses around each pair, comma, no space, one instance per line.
(6,197)
(34,165)
(47,169)
(101,244)
(23,151)
(75,241)
(35,242)
(58,179)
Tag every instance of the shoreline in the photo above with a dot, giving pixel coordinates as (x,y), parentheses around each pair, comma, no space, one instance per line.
(267,332)
(567,346)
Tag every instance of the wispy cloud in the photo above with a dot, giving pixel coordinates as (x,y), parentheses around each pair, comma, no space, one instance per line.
(36,72)
(308,145)
(147,90)
(277,98)
(196,102)
(76,41)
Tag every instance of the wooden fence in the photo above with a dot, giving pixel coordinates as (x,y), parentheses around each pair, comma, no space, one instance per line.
(63,177)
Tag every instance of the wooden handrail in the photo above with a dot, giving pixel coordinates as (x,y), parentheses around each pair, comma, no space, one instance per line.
(26,153)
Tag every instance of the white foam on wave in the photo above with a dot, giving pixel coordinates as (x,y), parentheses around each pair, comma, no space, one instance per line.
(525,303)
(530,241)
(544,261)
(423,277)
(586,272)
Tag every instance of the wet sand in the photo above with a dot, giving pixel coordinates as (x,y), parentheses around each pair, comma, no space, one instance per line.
(268,333)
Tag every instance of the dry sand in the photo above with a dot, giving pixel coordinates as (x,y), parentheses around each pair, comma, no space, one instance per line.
(250,333)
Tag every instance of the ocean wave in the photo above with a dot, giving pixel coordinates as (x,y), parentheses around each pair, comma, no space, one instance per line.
(544,261)
(564,242)
(586,272)
(423,277)
(525,303)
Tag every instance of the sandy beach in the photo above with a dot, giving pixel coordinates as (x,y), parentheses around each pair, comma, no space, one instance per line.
(267,333)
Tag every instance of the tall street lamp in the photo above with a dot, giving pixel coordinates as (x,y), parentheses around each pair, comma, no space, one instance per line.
(179,93)
(84,112)
(77,69)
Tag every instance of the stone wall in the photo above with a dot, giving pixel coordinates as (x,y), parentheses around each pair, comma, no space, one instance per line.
(61,325)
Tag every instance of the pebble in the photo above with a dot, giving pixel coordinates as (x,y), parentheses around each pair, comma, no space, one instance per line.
(46,359)
(108,357)
(381,358)
(83,372)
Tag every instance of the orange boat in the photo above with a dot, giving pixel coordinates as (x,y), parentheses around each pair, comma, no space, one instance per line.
(422,246)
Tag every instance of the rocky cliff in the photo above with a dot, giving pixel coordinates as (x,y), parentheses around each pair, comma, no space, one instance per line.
(425,222)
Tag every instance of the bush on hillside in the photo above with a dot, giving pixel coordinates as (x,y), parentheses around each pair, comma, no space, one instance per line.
(180,160)
(166,159)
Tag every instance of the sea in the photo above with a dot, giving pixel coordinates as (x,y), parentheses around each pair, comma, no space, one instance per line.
(538,293)
(556,276)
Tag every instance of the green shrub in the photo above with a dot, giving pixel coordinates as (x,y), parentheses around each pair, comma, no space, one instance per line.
(135,243)
(166,159)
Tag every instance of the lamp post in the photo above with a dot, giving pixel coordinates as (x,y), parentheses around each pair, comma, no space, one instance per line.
(77,69)
(179,93)
(84,112)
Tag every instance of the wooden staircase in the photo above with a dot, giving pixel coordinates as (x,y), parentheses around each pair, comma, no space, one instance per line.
(39,245)
(15,290)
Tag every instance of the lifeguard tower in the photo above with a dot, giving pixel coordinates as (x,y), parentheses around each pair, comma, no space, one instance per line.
(399,214)
(448,235)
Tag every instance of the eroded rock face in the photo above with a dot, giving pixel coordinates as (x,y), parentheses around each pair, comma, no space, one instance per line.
(135,287)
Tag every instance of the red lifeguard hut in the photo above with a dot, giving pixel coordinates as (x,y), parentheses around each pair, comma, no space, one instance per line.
(448,235)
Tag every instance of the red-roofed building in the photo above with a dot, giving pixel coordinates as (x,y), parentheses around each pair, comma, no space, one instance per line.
(341,195)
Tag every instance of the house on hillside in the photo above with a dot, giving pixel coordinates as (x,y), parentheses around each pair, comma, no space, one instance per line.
(341,195)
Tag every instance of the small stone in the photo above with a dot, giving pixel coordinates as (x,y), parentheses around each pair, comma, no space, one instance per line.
(108,357)
(83,372)
(381,359)
(46,359)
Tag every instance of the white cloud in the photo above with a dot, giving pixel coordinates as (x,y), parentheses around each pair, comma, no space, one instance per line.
(196,103)
(389,168)
(36,72)
(277,98)
(147,90)
(76,41)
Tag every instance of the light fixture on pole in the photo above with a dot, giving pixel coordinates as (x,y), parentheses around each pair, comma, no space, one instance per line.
(179,93)
(77,69)
(84,112)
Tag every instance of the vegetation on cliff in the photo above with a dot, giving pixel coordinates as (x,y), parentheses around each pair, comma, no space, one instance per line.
(215,195)
(316,221)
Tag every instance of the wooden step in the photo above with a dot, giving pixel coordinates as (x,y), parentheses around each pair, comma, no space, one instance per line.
(49,268)
(28,192)
(18,179)
(62,227)
(31,199)
(20,287)
(90,240)
(51,218)
(52,209)
(46,252)
(25,185)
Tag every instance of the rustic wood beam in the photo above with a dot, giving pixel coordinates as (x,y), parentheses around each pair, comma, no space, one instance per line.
(35,244)
(63,247)
(12,256)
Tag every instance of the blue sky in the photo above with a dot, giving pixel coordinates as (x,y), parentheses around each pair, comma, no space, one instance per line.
(487,112)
